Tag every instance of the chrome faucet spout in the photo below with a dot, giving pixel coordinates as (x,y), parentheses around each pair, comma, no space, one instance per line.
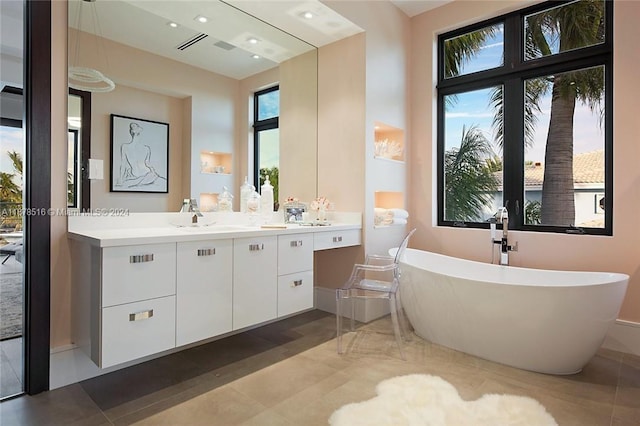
(190,206)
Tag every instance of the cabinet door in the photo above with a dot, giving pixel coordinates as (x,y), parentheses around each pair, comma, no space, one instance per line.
(295,293)
(204,290)
(255,280)
(134,330)
(295,253)
(132,273)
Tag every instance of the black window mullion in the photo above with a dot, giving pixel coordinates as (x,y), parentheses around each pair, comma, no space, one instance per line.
(513,152)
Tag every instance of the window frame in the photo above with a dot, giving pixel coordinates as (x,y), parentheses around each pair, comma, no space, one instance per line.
(260,126)
(512,74)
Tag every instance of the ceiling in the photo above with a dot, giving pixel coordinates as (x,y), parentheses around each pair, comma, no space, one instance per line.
(222,46)
(415,7)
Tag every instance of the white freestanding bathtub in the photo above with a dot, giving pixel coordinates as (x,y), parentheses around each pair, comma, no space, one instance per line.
(539,320)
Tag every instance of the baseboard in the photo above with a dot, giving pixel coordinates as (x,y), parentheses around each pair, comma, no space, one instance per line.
(366,310)
(623,336)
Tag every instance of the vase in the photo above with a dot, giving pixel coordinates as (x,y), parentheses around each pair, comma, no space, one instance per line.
(322,214)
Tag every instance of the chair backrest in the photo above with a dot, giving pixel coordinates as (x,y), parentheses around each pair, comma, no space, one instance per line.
(403,246)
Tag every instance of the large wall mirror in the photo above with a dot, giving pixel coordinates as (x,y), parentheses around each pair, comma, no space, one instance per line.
(194,66)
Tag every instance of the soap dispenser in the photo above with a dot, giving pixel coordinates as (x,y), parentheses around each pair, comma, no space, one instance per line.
(266,196)
(225,201)
(245,192)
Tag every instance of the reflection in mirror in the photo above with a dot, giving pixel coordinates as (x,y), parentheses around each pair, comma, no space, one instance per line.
(79,131)
(200,78)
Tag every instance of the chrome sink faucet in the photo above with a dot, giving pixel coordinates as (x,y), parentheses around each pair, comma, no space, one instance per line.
(502,215)
(190,206)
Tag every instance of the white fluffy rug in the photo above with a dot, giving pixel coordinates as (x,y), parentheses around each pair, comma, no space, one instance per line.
(419,399)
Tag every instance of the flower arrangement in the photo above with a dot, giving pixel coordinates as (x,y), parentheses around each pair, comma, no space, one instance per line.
(320,203)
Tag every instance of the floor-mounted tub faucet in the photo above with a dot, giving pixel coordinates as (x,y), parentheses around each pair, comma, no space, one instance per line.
(502,215)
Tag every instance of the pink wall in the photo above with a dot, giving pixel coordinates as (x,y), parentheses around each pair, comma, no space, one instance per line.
(619,253)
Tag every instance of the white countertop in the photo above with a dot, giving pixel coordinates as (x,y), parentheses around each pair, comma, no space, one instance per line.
(143,229)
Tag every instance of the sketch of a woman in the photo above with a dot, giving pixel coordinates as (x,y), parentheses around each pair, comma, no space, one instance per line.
(135,167)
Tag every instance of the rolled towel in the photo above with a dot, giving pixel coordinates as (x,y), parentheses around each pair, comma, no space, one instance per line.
(399,221)
(399,213)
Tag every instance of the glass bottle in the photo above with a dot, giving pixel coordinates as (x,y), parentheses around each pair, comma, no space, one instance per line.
(225,201)
(246,189)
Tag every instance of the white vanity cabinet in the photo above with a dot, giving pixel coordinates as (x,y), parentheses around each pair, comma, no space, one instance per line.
(204,286)
(295,273)
(136,292)
(331,239)
(255,280)
(140,291)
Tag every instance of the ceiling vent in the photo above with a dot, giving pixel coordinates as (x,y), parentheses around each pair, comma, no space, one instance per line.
(224,45)
(193,40)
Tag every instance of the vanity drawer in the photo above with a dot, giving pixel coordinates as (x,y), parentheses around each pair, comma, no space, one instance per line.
(132,273)
(295,253)
(334,239)
(137,329)
(295,293)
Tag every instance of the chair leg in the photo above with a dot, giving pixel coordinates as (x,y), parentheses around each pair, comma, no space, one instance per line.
(339,320)
(396,326)
(405,327)
(353,312)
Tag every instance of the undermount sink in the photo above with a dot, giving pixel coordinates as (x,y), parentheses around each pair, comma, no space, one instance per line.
(213,227)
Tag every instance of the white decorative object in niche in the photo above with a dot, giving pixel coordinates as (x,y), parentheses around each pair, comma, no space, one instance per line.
(215,162)
(388,142)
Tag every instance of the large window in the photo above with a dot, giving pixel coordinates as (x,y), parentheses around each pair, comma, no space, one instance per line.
(525,119)
(267,138)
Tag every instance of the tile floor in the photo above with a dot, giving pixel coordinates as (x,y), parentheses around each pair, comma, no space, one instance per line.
(11,367)
(288,373)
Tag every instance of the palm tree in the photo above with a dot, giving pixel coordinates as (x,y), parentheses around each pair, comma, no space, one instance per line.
(469,181)
(574,25)
(10,191)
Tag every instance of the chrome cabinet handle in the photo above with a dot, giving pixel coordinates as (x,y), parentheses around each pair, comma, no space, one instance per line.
(206,252)
(140,258)
(256,247)
(139,316)
(296,243)
(337,239)
(296,283)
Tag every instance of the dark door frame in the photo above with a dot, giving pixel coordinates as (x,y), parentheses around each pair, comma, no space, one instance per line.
(37,194)
(85,147)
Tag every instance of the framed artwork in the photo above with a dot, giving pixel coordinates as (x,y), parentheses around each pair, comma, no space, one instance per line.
(139,155)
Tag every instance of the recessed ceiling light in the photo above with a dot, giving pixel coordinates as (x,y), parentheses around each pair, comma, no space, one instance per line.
(201,19)
(253,40)
(255,56)
(172,24)
(307,15)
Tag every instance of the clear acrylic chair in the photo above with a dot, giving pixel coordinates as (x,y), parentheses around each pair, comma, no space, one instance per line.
(377,278)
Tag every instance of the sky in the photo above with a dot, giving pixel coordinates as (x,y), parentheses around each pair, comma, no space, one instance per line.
(472,108)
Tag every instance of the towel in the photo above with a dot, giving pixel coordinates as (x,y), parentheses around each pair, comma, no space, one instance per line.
(399,221)
(399,213)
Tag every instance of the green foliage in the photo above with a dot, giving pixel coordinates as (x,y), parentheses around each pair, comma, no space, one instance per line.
(10,191)
(532,213)
(469,182)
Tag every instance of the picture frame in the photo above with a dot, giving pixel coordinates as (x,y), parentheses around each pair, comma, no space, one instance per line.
(139,155)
